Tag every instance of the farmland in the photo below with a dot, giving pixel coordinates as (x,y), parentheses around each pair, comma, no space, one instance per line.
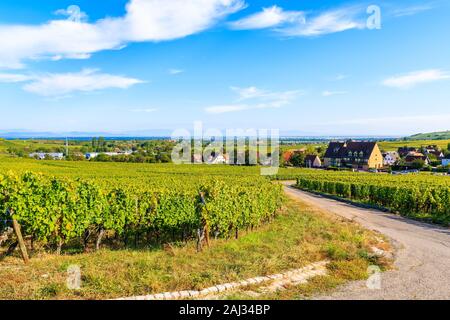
(75,201)
(394,145)
(147,217)
(422,196)
(150,214)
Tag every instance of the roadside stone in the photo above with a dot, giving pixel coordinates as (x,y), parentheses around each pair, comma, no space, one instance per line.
(244,283)
(213,289)
(194,293)
(276,282)
(159,296)
(176,295)
(168,295)
(221,288)
(228,286)
(205,292)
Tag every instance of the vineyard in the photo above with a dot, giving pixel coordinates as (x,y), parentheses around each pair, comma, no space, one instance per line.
(416,196)
(157,204)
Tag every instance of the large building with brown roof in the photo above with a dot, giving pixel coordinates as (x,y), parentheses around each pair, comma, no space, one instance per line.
(354,154)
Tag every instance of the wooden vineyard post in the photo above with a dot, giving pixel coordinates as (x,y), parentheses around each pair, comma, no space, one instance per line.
(205,230)
(23,248)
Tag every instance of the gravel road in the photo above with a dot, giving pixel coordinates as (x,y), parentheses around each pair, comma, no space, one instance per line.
(422,258)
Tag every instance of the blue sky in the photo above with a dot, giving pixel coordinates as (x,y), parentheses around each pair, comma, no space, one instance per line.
(315,67)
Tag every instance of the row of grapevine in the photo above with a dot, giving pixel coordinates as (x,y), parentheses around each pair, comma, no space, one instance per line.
(56,210)
(413,200)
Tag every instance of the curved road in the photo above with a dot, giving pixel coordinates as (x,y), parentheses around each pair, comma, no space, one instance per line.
(422,258)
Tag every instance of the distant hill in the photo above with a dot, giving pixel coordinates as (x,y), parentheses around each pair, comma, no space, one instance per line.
(443,135)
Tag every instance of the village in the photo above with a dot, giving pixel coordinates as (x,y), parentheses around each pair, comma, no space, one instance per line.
(367,156)
(336,155)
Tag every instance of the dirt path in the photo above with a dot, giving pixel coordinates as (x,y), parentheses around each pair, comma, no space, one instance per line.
(422,264)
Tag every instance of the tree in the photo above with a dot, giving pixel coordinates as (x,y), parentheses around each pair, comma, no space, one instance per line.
(101,144)
(298,159)
(418,164)
(102,158)
(94,144)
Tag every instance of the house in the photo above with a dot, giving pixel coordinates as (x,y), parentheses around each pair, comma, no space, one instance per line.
(433,150)
(197,158)
(218,159)
(446,161)
(312,161)
(47,155)
(268,161)
(363,155)
(403,151)
(415,156)
(91,155)
(390,158)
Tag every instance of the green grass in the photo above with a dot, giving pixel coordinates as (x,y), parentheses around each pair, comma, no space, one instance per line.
(298,236)
(431,136)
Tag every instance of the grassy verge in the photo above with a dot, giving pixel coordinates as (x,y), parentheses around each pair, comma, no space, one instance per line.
(420,217)
(298,236)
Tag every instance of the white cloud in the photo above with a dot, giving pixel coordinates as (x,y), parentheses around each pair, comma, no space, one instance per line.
(333,93)
(61,84)
(268,17)
(175,71)
(300,24)
(327,22)
(255,93)
(13,78)
(248,93)
(145,20)
(257,99)
(412,79)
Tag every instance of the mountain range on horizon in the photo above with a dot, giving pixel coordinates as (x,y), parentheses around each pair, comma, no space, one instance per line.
(159,133)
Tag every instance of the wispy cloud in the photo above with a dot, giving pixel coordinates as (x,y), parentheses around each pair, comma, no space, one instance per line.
(268,17)
(13,77)
(340,77)
(175,71)
(333,93)
(227,108)
(144,20)
(255,98)
(328,22)
(144,110)
(62,84)
(301,24)
(410,11)
(412,79)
